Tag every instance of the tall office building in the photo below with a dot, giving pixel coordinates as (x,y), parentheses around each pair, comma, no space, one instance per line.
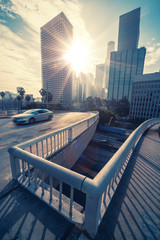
(110,48)
(128,60)
(128,36)
(99,75)
(56,38)
(123,66)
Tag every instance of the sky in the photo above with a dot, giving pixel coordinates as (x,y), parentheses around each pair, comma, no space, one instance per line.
(95,23)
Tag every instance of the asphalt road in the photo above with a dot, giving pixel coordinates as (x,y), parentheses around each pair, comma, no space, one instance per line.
(11,134)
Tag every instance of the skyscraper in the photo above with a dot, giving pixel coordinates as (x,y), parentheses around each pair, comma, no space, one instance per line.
(128,36)
(128,60)
(110,48)
(123,66)
(56,38)
(99,75)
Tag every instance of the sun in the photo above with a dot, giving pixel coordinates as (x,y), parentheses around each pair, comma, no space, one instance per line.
(78,56)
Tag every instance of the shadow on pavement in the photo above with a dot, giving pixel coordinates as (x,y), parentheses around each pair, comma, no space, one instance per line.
(23,216)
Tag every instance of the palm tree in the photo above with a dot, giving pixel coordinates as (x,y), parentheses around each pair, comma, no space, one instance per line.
(2,95)
(46,96)
(19,99)
(28,98)
(43,93)
(21,92)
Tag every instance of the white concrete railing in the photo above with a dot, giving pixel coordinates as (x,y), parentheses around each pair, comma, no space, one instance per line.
(48,144)
(99,191)
(30,168)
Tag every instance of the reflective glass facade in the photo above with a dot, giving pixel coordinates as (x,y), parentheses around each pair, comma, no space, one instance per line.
(128,36)
(123,66)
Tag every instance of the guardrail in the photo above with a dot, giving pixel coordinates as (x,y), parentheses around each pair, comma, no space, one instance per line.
(48,144)
(99,191)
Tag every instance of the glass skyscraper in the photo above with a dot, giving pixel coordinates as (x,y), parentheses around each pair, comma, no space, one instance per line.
(128,60)
(128,36)
(56,38)
(123,66)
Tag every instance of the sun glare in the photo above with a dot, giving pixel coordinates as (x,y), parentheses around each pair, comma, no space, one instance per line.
(78,56)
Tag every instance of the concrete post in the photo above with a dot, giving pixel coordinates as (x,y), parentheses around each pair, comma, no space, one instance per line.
(92,214)
(15,166)
(70,135)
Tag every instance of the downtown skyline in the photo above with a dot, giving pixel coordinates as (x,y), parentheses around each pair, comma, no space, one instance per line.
(20,35)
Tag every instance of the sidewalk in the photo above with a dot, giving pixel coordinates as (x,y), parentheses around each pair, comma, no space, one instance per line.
(132,214)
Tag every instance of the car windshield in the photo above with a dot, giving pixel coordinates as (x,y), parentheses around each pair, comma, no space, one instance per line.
(29,112)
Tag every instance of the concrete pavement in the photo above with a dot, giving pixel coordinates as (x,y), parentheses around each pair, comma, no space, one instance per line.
(132,214)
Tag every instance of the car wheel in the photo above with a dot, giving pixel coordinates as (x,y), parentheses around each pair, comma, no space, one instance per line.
(49,117)
(31,120)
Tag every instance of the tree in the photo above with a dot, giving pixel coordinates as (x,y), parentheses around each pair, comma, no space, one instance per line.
(120,107)
(21,92)
(28,98)
(46,96)
(2,95)
(43,94)
(19,99)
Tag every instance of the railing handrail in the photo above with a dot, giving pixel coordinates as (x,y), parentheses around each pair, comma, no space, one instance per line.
(107,172)
(43,137)
(59,172)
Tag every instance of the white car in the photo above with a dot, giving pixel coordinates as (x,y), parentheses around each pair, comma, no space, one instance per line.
(32,116)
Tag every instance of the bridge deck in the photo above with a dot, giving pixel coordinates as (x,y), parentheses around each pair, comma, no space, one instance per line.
(132,214)
(134,211)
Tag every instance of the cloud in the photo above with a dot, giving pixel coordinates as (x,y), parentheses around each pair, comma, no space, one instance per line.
(21,65)
(152,53)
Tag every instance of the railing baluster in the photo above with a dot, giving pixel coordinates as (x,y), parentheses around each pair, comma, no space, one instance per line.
(54,143)
(47,145)
(51,183)
(42,149)
(105,193)
(29,175)
(23,170)
(63,138)
(51,143)
(60,195)
(30,148)
(42,183)
(57,141)
(71,201)
(35,178)
(37,149)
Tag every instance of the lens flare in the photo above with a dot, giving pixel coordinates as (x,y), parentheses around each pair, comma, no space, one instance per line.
(78,56)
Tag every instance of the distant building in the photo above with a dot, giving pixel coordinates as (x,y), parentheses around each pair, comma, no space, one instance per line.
(99,79)
(56,38)
(99,75)
(110,48)
(128,36)
(8,95)
(145,103)
(124,65)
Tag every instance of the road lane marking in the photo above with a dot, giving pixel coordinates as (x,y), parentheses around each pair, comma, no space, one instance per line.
(1,147)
